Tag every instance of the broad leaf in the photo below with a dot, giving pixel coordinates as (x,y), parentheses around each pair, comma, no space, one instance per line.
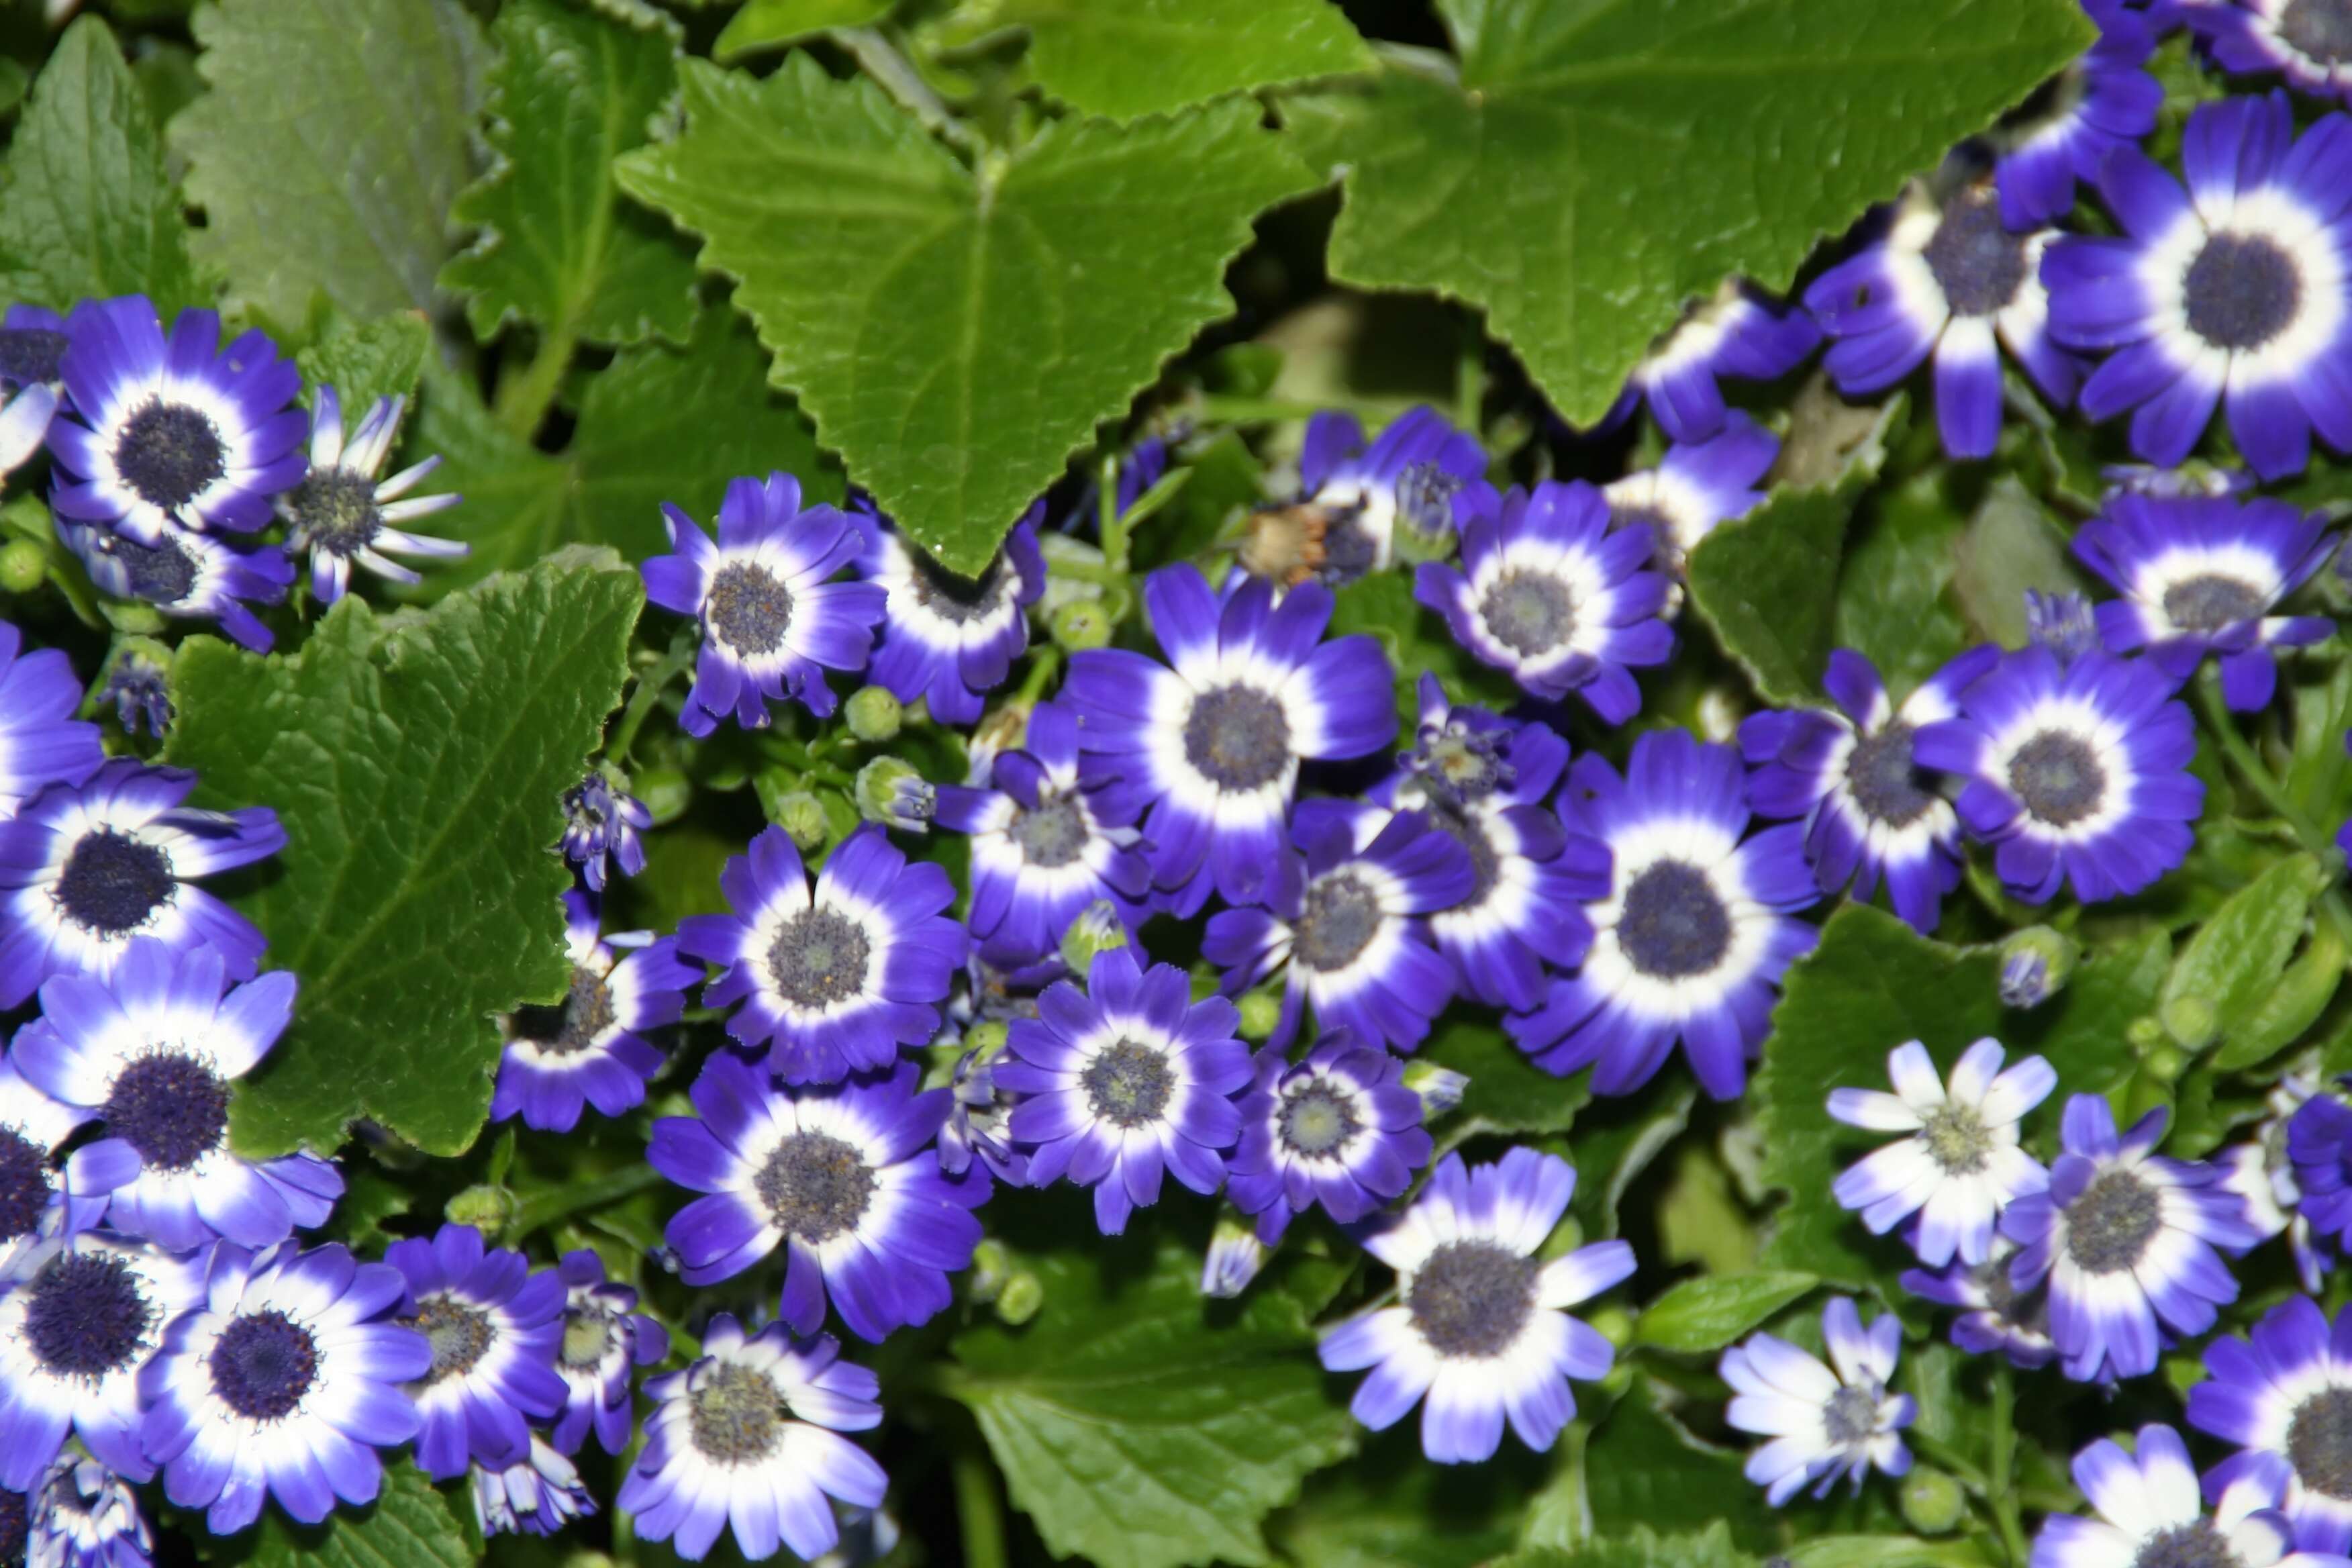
(1600,163)
(1896,602)
(1391,1508)
(2236,956)
(956,337)
(1710,1311)
(2280,1016)
(2010,545)
(364,360)
(1642,1548)
(417,763)
(1125,57)
(773,24)
(1642,1468)
(1887,1552)
(2083,1030)
(1507,1092)
(409,1525)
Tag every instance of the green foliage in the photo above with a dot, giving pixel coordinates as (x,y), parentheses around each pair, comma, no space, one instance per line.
(1896,602)
(1390,1507)
(2234,962)
(1127,58)
(1507,1092)
(364,360)
(1641,1468)
(1710,1311)
(1644,1548)
(771,24)
(417,766)
(409,1525)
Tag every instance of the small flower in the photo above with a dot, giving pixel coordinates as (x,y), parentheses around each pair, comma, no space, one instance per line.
(773,623)
(1824,1424)
(187,576)
(2201,576)
(1738,333)
(1547,592)
(2075,773)
(1339,1129)
(1953,282)
(344,516)
(536,1495)
(85,1516)
(2124,1237)
(284,1383)
(2240,284)
(2319,1171)
(2262,1175)
(2034,964)
(603,821)
(495,1329)
(1234,1256)
(2102,101)
(1960,1166)
(1695,932)
(136,686)
(947,639)
(748,1436)
(835,981)
(41,742)
(2307,41)
(605,1338)
(2062,622)
(1699,485)
(892,793)
(1870,812)
(590,1049)
(842,1176)
(2284,1395)
(2153,1517)
(1352,496)
(1480,1326)
(32,347)
(1205,754)
(1995,1315)
(34,1204)
(174,432)
(980,1123)
(1123,1081)
(151,1051)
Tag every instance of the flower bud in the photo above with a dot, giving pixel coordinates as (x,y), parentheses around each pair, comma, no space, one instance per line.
(2165,1063)
(992,1266)
(1235,1255)
(893,793)
(23,565)
(1423,529)
(1440,1089)
(1096,928)
(1018,1301)
(2034,962)
(874,713)
(1613,1324)
(1261,1011)
(487,1209)
(2191,1021)
(1082,625)
(802,816)
(1932,1501)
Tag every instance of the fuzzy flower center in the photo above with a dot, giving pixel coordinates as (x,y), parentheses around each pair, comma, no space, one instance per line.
(1317,1121)
(815,1187)
(2058,776)
(460,1332)
(1880,777)
(958,599)
(748,609)
(1528,612)
(2242,291)
(574,1026)
(335,511)
(24,1185)
(170,1107)
(587,1337)
(736,1417)
(30,355)
(2212,601)
(88,1315)
(2319,1443)
(263,1364)
(1472,1299)
(1462,765)
(1977,262)
(819,958)
(1851,1416)
(2318,29)
(2108,1227)
(169,453)
(113,882)
(1337,921)
(1957,1139)
(1675,925)
(2193,1545)
(1053,833)
(1237,737)
(1128,1084)
(165,575)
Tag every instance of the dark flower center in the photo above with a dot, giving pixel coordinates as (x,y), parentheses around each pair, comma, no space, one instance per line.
(2242,291)
(24,1185)
(819,958)
(164,574)
(1881,779)
(1472,1299)
(335,509)
(573,1026)
(2209,602)
(1463,765)
(1977,262)
(1673,923)
(15,1528)
(169,453)
(587,1337)
(1337,921)
(815,1187)
(263,1364)
(29,356)
(1053,833)
(170,1106)
(88,1314)
(1317,1121)
(2318,30)
(1957,1139)
(1528,612)
(1237,738)
(749,608)
(2319,1443)
(737,1416)
(2108,1227)
(1851,1416)
(2058,777)
(1128,1084)
(957,598)
(113,882)
(2193,1545)
(1485,864)
(460,1332)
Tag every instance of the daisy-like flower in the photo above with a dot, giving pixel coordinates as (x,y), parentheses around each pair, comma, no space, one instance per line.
(1695,929)
(2319,1171)
(606,1339)
(2200,577)
(2235,291)
(1960,1165)
(982,1123)
(495,1330)
(837,979)
(1042,848)
(84,1315)
(1738,333)
(35,1205)
(283,1382)
(842,1176)
(41,742)
(748,1437)
(773,623)
(2309,42)
(2262,1174)
(1343,525)
(1339,1129)
(32,347)
(536,1495)
(2075,773)
(602,821)
(1480,1326)
(1995,1315)
(947,639)
(1547,592)
(2153,1517)
(1125,1080)
(187,576)
(1870,812)
(344,516)
(1206,753)
(2102,101)
(590,1049)
(136,688)
(1952,281)
(172,432)
(1824,1421)
(2126,1237)
(85,1516)
(1699,485)
(151,1051)
(2284,1395)
(1343,928)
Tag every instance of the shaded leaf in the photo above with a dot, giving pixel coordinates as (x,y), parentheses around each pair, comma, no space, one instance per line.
(1896,602)
(364,360)
(1507,1092)
(1125,57)
(1710,1311)
(773,24)
(409,1525)
(2237,955)
(1641,1468)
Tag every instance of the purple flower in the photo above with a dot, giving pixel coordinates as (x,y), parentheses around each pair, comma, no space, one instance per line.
(536,1495)
(1995,1315)
(1738,333)
(606,1339)
(83,1516)
(344,516)
(2283,1396)
(495,1329)
(187,576)
(1339,1129)
(32,382)
(1825,1421)
(947,639)
(603,822)
(1353,496)
(2102,101)
(590,1049)
(41,742)
(2152,1514)
(2309,42)
(34,1204)
(1699,485)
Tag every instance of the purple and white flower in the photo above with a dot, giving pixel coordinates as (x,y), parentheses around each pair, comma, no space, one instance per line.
(2262,1173)
(2284,1395)
(1824,1421)
(2102,101)
(536,1495)
(186,576)
(2309,42)
(2320,1169)
(2151,1514)
(1995,1315)
(603,821)
(1419,471)
(41,742)
(1699,485)
(495,1329)
(590,1049)
(32,382)
(945,639)
(1339,1129)
(34,1204)
(606,1339)
(86,1516)
(344,516)
(1738,333)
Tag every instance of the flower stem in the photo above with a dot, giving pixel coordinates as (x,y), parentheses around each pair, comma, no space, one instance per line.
(649,688)
(979,1515)
(578,1197)
(2000,1489)
(2248,765)
(524,397)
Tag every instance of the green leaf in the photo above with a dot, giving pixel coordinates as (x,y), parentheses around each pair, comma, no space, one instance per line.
(1507,1092)
(1381,605)
(2282,1014)
(1125,57)
(416,763)
(1615,1141)
(327,153)
(14,82)
(1710,1311)
(1896,604)
(408,1526)
(2318,777)
(2082,1030)
(86,204)
(1138,1425)
(1886,1551)
(1391,1508)
(2237,955)
(559,249)
(364,360)
(1600,163)
(2010,545)
(773,24)
(1641,1467)
(955,337)
(1644,1548)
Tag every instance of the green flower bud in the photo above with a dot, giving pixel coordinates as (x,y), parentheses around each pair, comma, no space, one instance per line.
(23,565)
(487,1209)
(1932,1501)
(802,816)
(2191,1021)
(2034,962)
(1097,928)
(1613,1324)
(874,713)
(2165,1063)
(1081,624)
(2144,1034)
(1261,1011)
(992,1266)
(893,793)
(1021,1296)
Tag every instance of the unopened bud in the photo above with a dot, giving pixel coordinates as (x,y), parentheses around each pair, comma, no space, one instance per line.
(1440,1089)
(1082,625)
(1018,1301)
(1423,529)
(874,713)
(2191,1021)
(1096,929)
(487,1209)
(2034,962)
(23,564)
(1613,1324)
(893,793)
(2165,1063)
(992,1266)
(1718,715)
(1261,1011)
(1235,1255)
(802,816)
(1932,1501)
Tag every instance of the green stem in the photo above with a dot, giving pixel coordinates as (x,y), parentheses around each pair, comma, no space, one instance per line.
(896,76)
(1949,1459)
(540,1212)
(2000,1489)
(2250,767)
(524,397)
(1042,666)
(1101,571)
(1114,521)
(979,1513)
(1224,410)
(649,688)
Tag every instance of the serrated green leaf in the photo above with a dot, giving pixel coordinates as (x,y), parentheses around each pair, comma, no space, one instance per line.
(1600,163)
(2237,955)
(1643,1548)
(1896,603)
(559,249)
(335,136)
(86,204)
(1641,1467)
(1391,1508)
(773,24)
(956,338)
(1507,1092)
(1125,57)
(409,1525)
(1710,1311)
(364,360)
(1886,1551)
(417,762)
